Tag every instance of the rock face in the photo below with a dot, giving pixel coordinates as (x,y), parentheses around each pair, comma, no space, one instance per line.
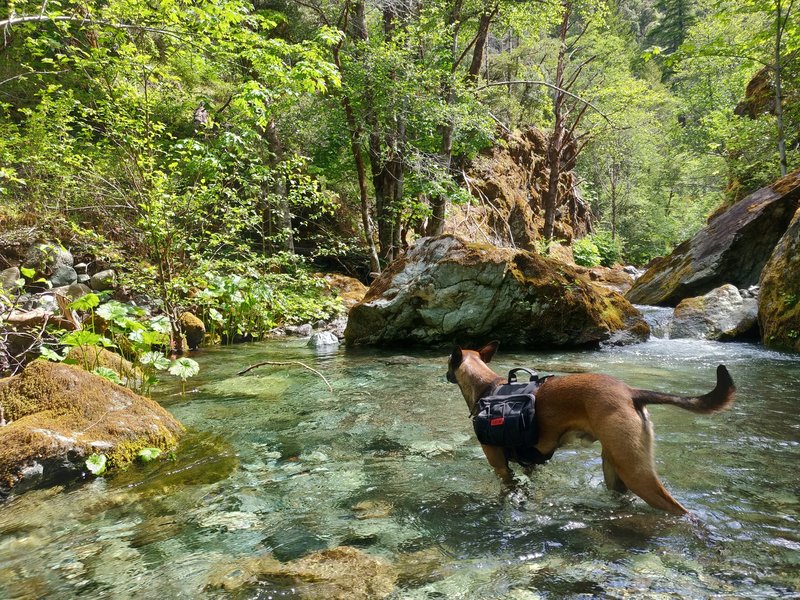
(733,248)
(445,289)
(60,414)
(779,299)
(722,314)
(508,180)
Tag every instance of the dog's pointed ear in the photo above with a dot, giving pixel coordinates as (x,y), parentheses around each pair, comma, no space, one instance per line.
(487,352)
(456,357)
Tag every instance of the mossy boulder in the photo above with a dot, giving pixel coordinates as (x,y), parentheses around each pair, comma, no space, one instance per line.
(732,248)
(448,290)
(779,300)
(193,329)
(60,414)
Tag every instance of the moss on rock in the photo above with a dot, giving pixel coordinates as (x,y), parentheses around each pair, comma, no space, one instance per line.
(193,329)
(446,289)
(93,357)
(60,414)
(779,299)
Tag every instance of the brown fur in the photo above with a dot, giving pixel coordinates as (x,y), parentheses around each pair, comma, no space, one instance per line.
(597,407)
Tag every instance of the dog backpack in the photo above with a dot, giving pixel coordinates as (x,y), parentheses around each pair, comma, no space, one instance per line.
(506,417)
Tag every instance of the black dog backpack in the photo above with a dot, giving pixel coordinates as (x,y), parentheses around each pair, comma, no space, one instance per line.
(506,417)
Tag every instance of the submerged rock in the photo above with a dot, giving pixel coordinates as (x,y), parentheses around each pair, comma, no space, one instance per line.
(722,314)
(342,573)
(779,297)
(60,414)
(446,289)
(733,248)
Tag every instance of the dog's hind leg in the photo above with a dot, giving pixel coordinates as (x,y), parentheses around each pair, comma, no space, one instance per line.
(611,477)
(497,458)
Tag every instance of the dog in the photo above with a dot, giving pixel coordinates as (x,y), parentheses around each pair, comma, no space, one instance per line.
(593,407)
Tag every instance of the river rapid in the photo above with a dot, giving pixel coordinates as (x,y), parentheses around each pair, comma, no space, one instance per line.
(387,462)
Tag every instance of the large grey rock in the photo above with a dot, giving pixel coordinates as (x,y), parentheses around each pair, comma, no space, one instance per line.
(63,275)
(47,257)
(8,278)
(733,248)
(446,289)
(722,314)
(103,280)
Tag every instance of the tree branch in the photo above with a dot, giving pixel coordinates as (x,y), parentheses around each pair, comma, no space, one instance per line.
(549,85)
(286,363)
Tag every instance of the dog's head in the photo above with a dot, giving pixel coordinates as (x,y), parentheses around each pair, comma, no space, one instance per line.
(461,356)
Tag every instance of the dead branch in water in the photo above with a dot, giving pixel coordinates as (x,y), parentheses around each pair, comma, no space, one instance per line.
(286,363)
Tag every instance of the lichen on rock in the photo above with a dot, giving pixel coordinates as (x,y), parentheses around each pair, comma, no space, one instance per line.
(60,414)
(446,289)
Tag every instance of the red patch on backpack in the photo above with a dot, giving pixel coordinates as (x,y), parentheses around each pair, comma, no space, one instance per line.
(497,421)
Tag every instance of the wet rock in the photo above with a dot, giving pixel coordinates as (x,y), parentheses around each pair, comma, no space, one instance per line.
(63,275)
(59,414)
(84,279)
(103,280)
(193,330)
(732,248)
(722,314)
(323,339)
(9,278)
(81,268)
(77,290)
(342,573)
(779,297)
(614,279)
(373,509)
(304,330)
(446,289)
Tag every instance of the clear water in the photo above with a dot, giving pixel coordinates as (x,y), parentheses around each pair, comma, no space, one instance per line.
(274,462)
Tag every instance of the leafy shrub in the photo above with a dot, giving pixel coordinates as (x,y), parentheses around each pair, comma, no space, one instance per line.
(610,249)
(586,252)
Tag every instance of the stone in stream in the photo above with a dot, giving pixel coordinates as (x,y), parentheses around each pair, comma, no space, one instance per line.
(446,289)
(60,414)
(722,314)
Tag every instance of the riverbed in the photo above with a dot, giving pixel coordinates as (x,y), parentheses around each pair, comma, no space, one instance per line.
(276,463)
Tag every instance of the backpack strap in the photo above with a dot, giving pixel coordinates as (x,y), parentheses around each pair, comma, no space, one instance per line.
(512,374)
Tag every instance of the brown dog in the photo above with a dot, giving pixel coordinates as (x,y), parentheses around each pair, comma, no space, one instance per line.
(596,407)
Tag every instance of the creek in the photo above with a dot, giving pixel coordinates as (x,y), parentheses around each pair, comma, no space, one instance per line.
(387,462)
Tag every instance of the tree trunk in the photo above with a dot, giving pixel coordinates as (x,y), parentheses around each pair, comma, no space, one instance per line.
(279,185)
(778,88)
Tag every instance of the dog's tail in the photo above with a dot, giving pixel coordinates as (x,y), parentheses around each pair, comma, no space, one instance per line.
(717,399)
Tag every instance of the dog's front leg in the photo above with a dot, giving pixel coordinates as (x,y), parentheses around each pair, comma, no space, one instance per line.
(497,459)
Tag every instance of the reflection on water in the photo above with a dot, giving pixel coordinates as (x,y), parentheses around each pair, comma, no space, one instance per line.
(387,463)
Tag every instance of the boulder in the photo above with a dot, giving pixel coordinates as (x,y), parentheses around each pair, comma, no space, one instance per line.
(349,289)
(93,357)
(47,257)
(779,296)
(9,278)
(103,280)
(323,340)
(446,289)
(64,275)
(733,248)
(193,330)
(342,573)
(508,180)
(616,279)
(722,314)
(60,414)
(304,330)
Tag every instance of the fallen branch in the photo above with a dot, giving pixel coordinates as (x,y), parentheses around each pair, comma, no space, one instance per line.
(286,363)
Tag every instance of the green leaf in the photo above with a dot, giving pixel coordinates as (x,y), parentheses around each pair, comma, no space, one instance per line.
(81,338)
(157,359)
(109,374)
(184,368)
(50,354)
(96,464)
(27,273)
(86,302)
(148,454)
(160,324)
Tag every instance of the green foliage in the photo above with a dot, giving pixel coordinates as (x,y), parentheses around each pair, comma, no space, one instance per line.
(96,464)
(586,252)
(608,247)
(148,454)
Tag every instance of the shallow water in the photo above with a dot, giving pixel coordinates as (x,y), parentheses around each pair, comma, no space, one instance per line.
(275,462)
